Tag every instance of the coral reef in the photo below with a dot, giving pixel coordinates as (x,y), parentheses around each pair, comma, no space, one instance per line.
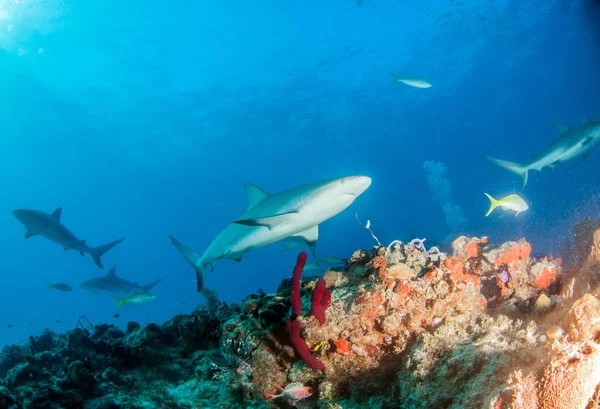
(401,326)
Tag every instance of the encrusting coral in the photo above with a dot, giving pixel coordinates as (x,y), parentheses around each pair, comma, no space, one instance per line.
(400,326)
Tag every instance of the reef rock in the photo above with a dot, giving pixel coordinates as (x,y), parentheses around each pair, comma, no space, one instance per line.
(405,326)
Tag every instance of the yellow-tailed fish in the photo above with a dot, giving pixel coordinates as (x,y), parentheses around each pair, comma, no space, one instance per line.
(511,202)
(138,298)
(411,81)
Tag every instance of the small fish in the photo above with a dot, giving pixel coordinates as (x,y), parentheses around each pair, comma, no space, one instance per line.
(60,287)
(334,261)
(9,326)
(311,267)
(58,321)
(31,322)
(116,315)
(292,244)
(411,81)
(293,393)
(138,298)
(511,202)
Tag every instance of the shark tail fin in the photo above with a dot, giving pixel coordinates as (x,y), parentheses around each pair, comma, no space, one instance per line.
(97,252)
(50,285)
(151,285)
(120,301)
(514,167)
(192,257)
(493,204)
(395,78)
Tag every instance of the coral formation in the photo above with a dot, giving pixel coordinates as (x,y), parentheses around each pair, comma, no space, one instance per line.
(398,327)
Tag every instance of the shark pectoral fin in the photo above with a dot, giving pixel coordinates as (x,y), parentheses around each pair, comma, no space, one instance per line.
(29,234)
(310,236)
(562,128)
(237,258)
(269,222)
(254,194)
(586,141)
(56,214)
(81,252)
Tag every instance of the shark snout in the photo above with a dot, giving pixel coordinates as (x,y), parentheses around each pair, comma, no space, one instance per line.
(20,214)
(357,184)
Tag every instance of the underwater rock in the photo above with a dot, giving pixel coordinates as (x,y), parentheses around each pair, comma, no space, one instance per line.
(583,235)
(594,256)
(479,328)
(571,376)
(584,318)
(132,326)
(6,401)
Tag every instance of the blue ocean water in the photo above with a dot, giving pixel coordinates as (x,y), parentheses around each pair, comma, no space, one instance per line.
(144,120)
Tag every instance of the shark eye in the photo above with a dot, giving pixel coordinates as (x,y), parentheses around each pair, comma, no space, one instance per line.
(343,180)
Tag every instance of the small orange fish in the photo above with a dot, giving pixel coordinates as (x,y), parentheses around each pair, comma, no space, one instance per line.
(294,392)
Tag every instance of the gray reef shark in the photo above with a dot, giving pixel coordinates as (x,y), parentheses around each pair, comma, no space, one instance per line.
(571,143)
(294,212)
(49,226)
(110,283)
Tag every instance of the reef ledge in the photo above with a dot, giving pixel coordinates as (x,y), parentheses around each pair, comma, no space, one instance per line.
(400,327)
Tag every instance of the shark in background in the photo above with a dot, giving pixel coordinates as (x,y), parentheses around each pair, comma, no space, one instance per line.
(269,218)
(112,284)
(50,227)
(572,142)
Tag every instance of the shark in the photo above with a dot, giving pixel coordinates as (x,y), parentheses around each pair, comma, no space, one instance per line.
(112,284)
(295,212)
(572,142)
(50,227)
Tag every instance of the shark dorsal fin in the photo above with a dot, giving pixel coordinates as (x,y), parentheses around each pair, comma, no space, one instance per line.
(112,272)
(254,194)
(56,214)
(562,128)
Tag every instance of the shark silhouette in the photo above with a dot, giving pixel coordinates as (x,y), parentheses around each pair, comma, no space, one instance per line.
(110,283)
(294,212)
(571,143)
(49,226)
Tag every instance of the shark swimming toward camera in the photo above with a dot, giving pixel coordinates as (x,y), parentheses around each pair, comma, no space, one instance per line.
(112,284)
(269,218)
(572,142)
(49,226)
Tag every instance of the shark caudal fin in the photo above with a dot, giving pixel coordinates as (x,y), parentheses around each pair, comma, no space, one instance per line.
(192,257)
(514,167)
(50,285)
(493,204)
(97,252)
(120,301)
